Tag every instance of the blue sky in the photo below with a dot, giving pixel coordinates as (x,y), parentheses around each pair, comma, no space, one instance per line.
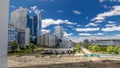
(78,17)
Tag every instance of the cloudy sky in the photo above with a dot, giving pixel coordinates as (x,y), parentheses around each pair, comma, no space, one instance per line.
(79,18)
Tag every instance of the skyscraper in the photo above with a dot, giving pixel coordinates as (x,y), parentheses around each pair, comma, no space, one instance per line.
(38,26)
(35,25)
(19,18)
(39,23)
(30,24)
(59,34)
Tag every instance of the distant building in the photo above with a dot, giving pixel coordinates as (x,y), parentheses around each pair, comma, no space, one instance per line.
(11,33)
(106,42)
(66,43)
(42,40)
(59,34)
(48,40)
(19,18)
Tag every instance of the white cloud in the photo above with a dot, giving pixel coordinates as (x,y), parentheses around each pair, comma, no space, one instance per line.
(102,16)
(110,25)
(35,9)
(109,1)
(109,29)
(91,24)
(101,1)
(111,22)
(67,34)
(85,34)
(70,26)
(45,31)
(99,34)
(29,11)
(118,35)
(88,34)
(48,22)
(87,29)
(76,12)
(114,0)
(105,6)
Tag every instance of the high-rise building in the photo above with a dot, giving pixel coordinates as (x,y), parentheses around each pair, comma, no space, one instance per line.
(39,23)
(19,18)
(38,26)
(30,24)
(59,34)
(35,25)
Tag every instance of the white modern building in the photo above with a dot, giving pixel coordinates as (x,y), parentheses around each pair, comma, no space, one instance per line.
(4,10)
(38,26)
(59,31)
(66,43)
(19,18)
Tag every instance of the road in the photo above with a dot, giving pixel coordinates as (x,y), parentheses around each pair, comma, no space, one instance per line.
(96,62)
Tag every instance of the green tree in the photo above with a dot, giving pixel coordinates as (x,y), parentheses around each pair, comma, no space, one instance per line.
(14,45)
(116,49)
(95,48)
(32,46)
(77,48)
(110,49)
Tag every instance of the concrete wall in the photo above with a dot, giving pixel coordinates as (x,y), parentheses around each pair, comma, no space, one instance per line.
(27,36)
(3,32)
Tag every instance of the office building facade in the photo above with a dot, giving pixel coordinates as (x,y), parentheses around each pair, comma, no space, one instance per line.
(19,18)
(23,36)
(59,34)
(47,40)
(11,33)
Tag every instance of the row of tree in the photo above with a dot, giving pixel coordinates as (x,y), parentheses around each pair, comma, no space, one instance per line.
(16,49)
(104,49)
